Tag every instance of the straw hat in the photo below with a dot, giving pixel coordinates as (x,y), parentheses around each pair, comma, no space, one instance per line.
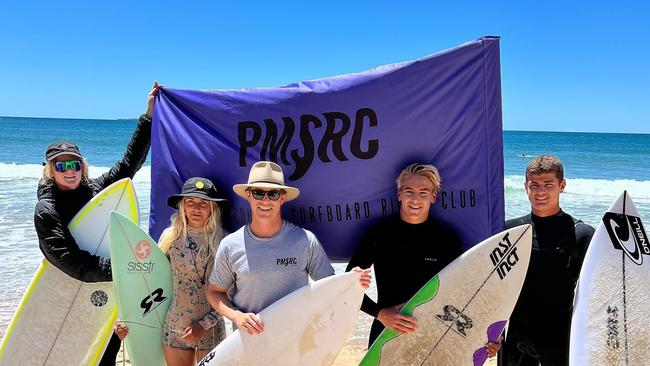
(266,175)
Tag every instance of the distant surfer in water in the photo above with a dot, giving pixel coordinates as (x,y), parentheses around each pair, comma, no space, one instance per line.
(407,251)
(284,255)
(65,188)
(539,328)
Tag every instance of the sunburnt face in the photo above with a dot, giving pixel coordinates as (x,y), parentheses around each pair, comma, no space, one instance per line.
(197,211)
(68,180)
(544,193)
(416,196)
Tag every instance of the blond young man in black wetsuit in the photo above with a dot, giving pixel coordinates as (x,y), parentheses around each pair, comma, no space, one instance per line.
(406,251)
(539,328)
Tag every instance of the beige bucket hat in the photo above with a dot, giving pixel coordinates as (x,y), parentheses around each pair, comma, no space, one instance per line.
(266,175)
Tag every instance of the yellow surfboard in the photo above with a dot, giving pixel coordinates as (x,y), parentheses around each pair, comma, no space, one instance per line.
(63,321)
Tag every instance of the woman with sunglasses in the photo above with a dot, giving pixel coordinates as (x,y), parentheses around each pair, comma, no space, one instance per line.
(192,328)
(65,188)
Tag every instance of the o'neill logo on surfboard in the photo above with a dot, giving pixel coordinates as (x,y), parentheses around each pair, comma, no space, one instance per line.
(627,234)
(504,256)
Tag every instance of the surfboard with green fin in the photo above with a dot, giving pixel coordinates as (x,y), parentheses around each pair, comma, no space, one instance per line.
(63,321)
(462,308)
(425,294)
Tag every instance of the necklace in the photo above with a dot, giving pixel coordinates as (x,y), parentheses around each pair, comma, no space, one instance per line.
(192,246)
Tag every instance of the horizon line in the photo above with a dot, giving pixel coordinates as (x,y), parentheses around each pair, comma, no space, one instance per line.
(136,118)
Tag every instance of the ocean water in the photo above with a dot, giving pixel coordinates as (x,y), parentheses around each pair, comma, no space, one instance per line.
(598,168)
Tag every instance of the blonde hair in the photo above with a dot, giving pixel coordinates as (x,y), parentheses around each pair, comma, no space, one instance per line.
(48,171)
(423,170)
(212,230)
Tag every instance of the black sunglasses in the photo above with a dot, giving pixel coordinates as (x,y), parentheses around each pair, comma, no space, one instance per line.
(259,194)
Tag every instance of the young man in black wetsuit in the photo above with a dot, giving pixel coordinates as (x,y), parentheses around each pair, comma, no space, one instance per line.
(406,251)
(540,324)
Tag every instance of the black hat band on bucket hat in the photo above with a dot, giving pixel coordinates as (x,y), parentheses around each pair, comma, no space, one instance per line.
(56,149)
(196,187)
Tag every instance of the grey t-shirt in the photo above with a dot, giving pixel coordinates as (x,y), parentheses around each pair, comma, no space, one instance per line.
(263,270)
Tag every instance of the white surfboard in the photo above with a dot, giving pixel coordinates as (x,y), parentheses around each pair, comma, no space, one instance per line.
(62,321)
(307,327)
(463,307)
(611,316)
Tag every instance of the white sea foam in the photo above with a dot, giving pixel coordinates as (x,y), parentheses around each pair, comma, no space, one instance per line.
(13,170)
(639,190)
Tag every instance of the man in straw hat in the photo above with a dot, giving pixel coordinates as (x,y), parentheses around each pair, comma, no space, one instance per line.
(268,258)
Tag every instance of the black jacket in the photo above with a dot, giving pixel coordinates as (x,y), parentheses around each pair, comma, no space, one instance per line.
(55,209)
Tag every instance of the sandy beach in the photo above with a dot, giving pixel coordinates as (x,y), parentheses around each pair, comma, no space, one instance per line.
(350,355)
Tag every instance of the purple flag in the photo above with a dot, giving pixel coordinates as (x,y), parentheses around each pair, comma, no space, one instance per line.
(343,141)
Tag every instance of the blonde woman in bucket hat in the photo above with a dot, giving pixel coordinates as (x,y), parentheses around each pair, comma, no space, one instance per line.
(192,327)
(267,259)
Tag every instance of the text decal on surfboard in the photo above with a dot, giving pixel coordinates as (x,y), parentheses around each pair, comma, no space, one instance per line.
(613,341)
(627,234)
(152,301)
(504,256)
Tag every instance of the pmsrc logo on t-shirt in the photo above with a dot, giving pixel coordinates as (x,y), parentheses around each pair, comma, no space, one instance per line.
(288,261)
(627,234)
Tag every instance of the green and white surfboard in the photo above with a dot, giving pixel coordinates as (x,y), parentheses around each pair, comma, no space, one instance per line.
(63,321)
(463,307)
(142,277)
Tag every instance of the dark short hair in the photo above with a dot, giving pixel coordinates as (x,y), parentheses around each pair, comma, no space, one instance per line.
(545,164)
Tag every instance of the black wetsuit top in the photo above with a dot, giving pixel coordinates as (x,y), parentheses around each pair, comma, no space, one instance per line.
(55,209)
(405,257)
(540,324)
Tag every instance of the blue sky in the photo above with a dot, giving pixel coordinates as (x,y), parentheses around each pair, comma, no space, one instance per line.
(566,66)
